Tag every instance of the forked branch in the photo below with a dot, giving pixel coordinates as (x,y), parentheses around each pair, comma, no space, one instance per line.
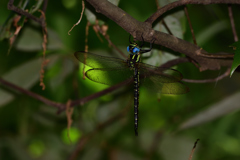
(138,29)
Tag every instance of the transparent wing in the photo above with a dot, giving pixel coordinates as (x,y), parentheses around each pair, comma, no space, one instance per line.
(110,71)
(159,74)
(174,88)
(109,76)
(156,83)
(152,84)
(162,80)
(97,61)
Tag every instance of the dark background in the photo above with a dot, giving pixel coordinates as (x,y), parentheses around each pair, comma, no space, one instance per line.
(30,129)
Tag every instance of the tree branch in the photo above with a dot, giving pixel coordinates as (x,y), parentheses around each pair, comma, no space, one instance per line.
(31,94)
(44,8)
(225,74)
(61,106)
(82,101)
(136,28)
(191,51)
(232,23)
(179,3)
(190,25)
(174,62)
(144,29)
(11,6)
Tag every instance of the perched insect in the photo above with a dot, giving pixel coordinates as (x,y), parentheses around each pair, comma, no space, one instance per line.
(110,71)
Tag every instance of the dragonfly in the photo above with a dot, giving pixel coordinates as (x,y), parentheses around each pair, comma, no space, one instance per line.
(111,71)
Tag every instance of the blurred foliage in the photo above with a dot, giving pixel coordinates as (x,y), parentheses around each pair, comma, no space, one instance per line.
(236,60)
(30,129)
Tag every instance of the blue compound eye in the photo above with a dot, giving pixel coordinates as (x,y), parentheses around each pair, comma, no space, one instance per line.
(136,50)
(128,48)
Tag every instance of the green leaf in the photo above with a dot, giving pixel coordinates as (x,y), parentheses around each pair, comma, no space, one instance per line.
(236,59)
(31,40)
(36,148)
(21,21)
(36,6)
(25,75)
(226,106)
(69,3)
(91,17)
(115,2)
(5,31)
(74,135)
(210,31)
(157,57)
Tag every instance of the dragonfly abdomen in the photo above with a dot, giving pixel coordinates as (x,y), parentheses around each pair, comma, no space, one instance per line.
(136,99)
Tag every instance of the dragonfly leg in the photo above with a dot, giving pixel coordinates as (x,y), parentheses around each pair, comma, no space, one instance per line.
(147,50)
(130,39)
(142,41)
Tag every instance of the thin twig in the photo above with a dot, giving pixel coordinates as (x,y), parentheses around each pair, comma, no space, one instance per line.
(44,8)
(190,25)
(42,22)
(44,46)
(232,23)
(216,56)
(175,62)
(83,7)
(194,147)
(106,36)
(16,32)
(86,36)
(61,107)
(11,6)
(96,30)
(86,45)
(69,112)
(225,74)
(31,94)
(82,101)
(166,26)
(163,22)
(179,3)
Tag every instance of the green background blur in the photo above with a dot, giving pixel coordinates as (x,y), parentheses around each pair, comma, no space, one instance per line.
(30,129)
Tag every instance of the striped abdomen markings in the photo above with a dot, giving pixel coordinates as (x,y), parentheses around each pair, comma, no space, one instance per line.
(133,63)
(136,99)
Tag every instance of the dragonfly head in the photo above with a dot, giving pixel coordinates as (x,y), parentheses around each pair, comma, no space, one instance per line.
(133,48)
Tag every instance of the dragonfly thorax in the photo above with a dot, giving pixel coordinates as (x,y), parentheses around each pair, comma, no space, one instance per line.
(133,60)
